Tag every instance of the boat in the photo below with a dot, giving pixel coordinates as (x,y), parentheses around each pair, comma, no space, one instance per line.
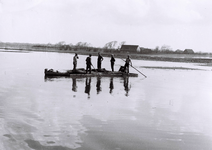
(82,73)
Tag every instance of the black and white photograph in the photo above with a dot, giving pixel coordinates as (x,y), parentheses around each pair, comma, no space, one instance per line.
(105,74)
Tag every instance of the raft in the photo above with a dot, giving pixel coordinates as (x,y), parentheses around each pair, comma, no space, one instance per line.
(82,73)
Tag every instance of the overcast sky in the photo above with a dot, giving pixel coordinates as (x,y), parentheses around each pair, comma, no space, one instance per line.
(180,24)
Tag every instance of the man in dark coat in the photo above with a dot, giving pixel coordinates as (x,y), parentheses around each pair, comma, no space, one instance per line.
(128,62)
(99,61)
(112,61)
(88,64)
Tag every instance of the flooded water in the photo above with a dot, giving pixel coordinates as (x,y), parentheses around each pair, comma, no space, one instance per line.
(170,109)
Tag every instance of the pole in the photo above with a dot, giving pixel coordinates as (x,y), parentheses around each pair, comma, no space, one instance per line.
(136,69)
(93,67)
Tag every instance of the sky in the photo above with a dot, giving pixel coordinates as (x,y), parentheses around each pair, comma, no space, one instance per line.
(179,24)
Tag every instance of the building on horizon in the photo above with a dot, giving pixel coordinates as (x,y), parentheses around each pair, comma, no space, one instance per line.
(130,48)
(188,51)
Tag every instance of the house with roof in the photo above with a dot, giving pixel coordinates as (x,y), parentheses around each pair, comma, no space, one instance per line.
(130,48)
(188,51)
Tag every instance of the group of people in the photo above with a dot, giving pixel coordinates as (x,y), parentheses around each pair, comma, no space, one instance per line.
(128,62)
(99,63)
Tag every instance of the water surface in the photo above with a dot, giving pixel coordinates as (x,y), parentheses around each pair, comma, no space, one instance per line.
(170,109)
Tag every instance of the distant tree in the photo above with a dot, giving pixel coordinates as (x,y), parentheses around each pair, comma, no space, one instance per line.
(120,44)
(70,46)
(110,45)
(157,49)
(78,44)
(114,44)
(87,44)
(166,49)
(178,51)
(83,44)
(62,43)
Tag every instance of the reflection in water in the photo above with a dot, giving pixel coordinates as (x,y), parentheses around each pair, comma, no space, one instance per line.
(74,84)
(98,85)
(49,78)
(111,86)
(88,86)
(126,86)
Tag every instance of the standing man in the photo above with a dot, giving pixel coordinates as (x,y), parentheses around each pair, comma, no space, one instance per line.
(128,62)
(99,61)
(75,61)
(112,61)
(88,64)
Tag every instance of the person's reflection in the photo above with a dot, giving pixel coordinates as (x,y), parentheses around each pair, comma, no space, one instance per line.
(74,84)
(111,86)
(98,85)
(47,79)
(88,86)
(126,85)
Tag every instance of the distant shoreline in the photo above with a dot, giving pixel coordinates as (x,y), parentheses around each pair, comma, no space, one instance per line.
(190,58)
